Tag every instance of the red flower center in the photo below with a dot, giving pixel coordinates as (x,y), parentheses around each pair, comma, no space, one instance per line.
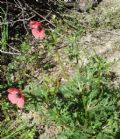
(18,95)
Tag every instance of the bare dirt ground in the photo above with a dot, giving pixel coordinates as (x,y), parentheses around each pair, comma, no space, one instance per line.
(105,42)
(102,41)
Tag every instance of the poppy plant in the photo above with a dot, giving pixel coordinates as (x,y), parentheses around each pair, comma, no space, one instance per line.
(37,29)
(15,96)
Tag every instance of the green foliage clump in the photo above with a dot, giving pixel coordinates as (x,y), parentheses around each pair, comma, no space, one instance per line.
(3,29)
(86,106)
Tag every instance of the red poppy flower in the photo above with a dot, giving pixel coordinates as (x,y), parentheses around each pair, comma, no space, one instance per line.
(37,29)
(15,96)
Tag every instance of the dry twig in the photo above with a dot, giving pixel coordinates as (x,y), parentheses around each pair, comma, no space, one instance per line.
(40,15)
(10,53)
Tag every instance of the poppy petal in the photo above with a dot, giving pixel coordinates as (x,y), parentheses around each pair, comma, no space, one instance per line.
(12,98)
(20,102)
(38,34)
(42,34)
(35,24)
(13,90)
